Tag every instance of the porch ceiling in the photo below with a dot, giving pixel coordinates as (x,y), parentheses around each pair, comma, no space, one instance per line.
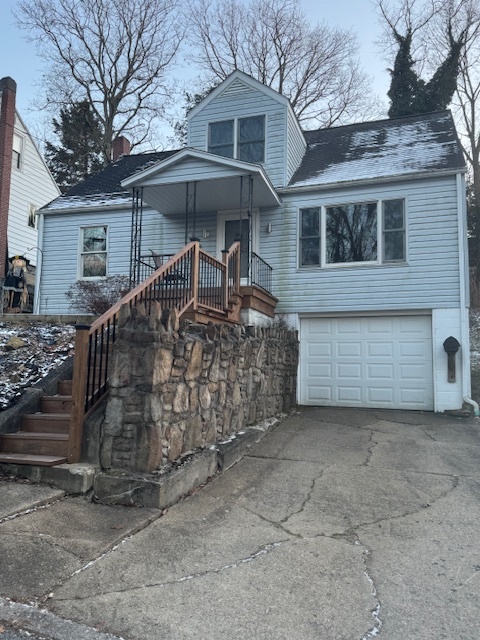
(218,183)
(212,195)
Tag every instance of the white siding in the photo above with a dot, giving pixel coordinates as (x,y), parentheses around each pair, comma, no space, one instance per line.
(61,250)
(243,103)
(296,146)
(430,278)
(32,184)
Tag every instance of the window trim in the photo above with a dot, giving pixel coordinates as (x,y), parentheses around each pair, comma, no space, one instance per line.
(32,215)
(81,253)
(236,136)
(18,156)
(380,261)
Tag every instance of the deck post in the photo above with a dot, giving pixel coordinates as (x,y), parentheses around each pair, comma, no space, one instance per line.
(226,278)
(79,392)
(195,274)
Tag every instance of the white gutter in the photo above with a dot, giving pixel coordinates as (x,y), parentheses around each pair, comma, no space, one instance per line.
(360,182)
(38,271)
(464,293)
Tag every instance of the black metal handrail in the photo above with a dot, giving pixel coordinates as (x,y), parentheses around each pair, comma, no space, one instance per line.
(261,273)
(210,282)
(149,263)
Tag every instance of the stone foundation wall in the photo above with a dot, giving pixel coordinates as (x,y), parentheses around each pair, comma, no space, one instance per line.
(175,389)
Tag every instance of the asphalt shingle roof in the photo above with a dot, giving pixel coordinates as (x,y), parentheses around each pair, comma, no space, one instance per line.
(385,148)
(356,152)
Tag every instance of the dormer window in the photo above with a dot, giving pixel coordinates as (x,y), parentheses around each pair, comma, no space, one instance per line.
(240,138)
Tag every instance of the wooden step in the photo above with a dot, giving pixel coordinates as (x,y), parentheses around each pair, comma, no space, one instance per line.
(25,458)
(64,387)
(56,404)
(46,422)
(43,444)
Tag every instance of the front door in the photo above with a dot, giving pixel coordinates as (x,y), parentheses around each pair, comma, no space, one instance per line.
(232,234)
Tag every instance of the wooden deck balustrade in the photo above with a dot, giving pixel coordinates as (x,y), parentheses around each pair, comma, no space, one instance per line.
(191,281)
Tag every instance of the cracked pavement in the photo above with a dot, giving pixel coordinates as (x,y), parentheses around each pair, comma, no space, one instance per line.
(340,524)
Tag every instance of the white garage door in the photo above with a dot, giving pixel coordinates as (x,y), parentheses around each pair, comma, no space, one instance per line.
(382,362)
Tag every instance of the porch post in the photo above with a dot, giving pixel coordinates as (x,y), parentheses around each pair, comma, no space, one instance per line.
(136,235)
(190,209)
(250,230)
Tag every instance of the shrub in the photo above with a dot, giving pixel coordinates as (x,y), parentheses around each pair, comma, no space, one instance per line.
(97,296)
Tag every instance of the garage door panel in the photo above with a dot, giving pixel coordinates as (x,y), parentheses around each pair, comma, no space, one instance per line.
(321,349)
(380,371)
(412,372)
(378,327)
(381,395)
(379,349)
(320,370)
(320,393)
(367,361)
(348,349)
(412,396)
(349,394)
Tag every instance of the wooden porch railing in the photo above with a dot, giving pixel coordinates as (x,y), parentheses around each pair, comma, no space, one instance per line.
(190,280)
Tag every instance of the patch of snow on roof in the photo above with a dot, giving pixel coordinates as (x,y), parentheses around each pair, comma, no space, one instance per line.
(386,152)
(96,200)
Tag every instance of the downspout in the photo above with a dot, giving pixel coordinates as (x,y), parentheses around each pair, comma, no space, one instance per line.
(38,271)
(464,293)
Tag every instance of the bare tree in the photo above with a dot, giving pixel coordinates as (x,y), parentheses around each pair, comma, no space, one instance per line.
(112,53)
(414,27)
(434,26)
(316,67)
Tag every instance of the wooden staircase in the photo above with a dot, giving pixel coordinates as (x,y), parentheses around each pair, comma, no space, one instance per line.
(192,282)
(43,436)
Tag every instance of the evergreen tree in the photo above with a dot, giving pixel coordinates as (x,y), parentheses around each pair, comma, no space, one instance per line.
(79,153)
(408,93)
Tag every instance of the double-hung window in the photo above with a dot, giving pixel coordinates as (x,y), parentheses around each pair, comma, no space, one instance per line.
(353,233)
(17,151)
(240,138)
(93,252)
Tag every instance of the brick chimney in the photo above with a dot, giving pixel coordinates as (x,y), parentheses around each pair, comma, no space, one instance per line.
(121,147)
(8,90)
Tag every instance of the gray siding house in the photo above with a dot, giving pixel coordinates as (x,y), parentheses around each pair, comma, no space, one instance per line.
(363,227)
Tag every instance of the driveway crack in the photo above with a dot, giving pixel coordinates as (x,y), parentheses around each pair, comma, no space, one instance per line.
(376,628)
(370,448)
(262,551)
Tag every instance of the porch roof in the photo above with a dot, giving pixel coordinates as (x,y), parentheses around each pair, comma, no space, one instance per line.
(217,178)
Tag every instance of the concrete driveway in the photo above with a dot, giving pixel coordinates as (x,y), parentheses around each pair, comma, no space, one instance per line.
(339,524)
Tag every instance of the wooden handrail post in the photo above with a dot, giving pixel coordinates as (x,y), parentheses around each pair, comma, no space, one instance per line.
(195,273)
(79,392)
(237,269)
(226,278)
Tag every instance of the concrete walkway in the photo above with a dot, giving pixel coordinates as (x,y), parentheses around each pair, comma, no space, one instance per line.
(340,524)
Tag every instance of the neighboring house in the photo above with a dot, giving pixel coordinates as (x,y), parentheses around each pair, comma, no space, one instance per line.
(26,184)
(364,227)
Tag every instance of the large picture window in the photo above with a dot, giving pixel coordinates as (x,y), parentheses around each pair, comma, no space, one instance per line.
(93,252)
(242,138)
(367,232)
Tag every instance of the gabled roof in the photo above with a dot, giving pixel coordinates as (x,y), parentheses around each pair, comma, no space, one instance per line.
(216,180)
(104,188)
(365,152)
(235,80)
(379,150)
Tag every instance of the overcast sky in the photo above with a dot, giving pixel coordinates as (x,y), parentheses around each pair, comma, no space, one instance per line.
(18,58)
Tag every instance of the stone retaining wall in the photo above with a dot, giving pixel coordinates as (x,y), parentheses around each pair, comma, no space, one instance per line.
(175,389)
